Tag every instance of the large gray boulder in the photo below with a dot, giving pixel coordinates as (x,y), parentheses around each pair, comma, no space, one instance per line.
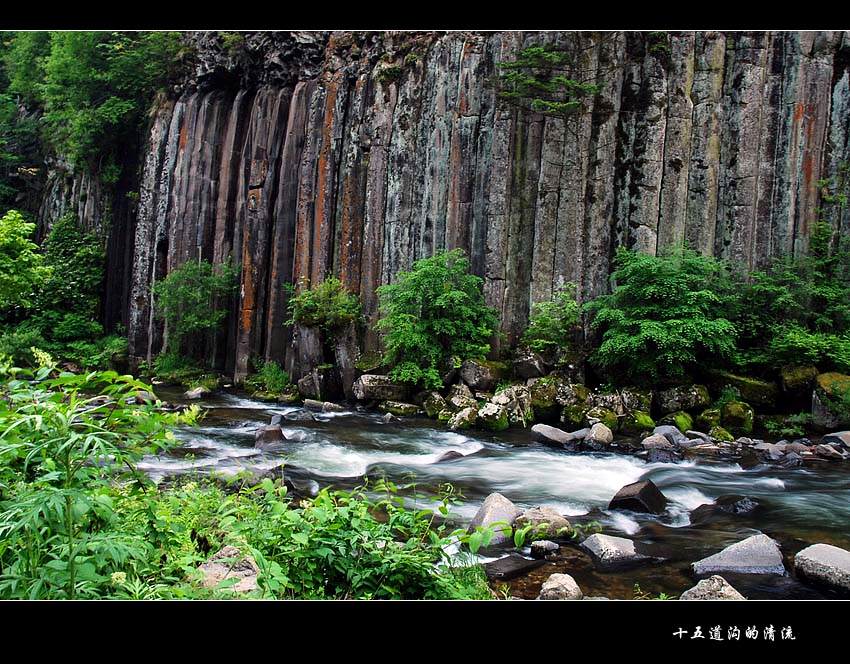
(229,563)
(687,397)
(641,496)
(480,375)
(758,554)
(517,400)
(600,435)
(496,508)
(712,588)
(375,387)
(546,522)
(609,551)
(824,564)
(671,433)
(528,364)
(463,419)
(838,439)
(547,434)
(268,435)
(460,397)
(197,393)
(560,586)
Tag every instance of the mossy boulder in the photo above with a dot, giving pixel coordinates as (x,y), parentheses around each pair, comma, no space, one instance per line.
(482,375)
(796,379)
(517,400)
(682,397)
(737,416)
(494,417)
(752,390)
(679,419)
(433,403)
(708,418)
(605,415)
(634,398)
(573,415)
(445,415)
(463,419)
(719,433)
(399,408)
(544,397)
(636,423)
(829,407)
(833,384)
(572,394)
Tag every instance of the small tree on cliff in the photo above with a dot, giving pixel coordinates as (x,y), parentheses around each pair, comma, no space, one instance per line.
(188,300)
(432,314)
(21,266)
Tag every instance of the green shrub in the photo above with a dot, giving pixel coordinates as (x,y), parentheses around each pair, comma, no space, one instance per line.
(664,317)
(326,305)
(552,324)
(431,314)
(270,378)
(22,268)
(189,300)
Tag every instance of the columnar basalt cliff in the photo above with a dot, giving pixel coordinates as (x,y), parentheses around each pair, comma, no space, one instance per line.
(300,155)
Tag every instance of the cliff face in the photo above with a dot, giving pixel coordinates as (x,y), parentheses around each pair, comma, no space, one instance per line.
(306,154)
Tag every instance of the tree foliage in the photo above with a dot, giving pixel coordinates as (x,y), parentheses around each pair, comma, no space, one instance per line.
(553,323)
(327,305)
(664,317)
(22,268)
(431,314)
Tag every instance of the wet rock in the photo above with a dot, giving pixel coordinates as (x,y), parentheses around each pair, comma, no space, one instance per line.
(769,452)
(547,434)
(229,563)
(724,505)
(671,433)
(720,434)
(313,404)
(451,455)
(680,419)
(737,416)
(686,397)
(432,403)
(544,548)
(376,387)
(300,415)
(758,554)
(528,364)
(463,419)
(708,418)
(656,441)
(599,436)
(824,564)
(796,379)
(143,397)
(277,420)
(269,435)
(828,452)
(691,434)
(496,508)
(197,393)
(829,388)
(494,417)
(545,522)
(517,400)
(389,418)
(510,567)
(713,588)
(657,455)
(560,587)
(635,423)
(604,415)
(791,460)
(331,407)
(321,383)
(641,496)
(839,439)
(399,408)
(481,374)
(608,551)
(460,397)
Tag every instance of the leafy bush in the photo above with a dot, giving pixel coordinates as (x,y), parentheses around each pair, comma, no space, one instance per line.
(664,317)
(270,378)
(553,323)
(326,305)
(188,299)
(431,314)
(21,266)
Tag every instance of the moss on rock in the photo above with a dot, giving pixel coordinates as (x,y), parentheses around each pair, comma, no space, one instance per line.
(636,423)
(798,378)
(752,390)
(708,418)
(719,433)
(737,416)
(679,419)
(605,415)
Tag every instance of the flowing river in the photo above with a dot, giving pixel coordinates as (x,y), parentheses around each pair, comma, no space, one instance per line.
(797,506)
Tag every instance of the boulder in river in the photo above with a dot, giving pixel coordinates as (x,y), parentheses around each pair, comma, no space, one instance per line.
(399,408)
(496,508)
(599,435)
(463,419)
(196,393)
(544,521)
(517,400)
(713,588)
(758,554)
(481,375)
(641,496)
(560,586)
(460,397)
(724,505)
(604,415)
(656,441)
(824,564)
(838,439)
(547,434)
(376,387)
(432,403)
(494,417)
(544,548)
(828,452)
(451,455)
(608,551)
(657,455)
(268,435)
(671,433)
(510,567)
(229,563)
(300,415)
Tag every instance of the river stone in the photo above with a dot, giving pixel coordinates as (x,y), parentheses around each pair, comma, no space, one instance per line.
(481,375)
(713,588)
(656,441)
(600,435)
(604,415)
(686,397)
(556,525)
(375,387)
(543,548)
(494,417)
(691,434)
(734,505)
(528,364)
(839,439)
(769,451)
(460,397)
(547,434)
(300,415)
(463,419)
(825,564)
(331,407)
(510,567)
(758,554)
(432,403)
(737,416)
(791,460)
(268,435)
(196,393)
(399,408)
(608,551)
(828,452)
(671,433)
(560,586)
(641,496)
(657,455)
(451,455)
(517,400)
(496,508)
(229,563)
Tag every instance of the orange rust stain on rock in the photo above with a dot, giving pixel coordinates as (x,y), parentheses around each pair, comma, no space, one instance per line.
(184,131)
